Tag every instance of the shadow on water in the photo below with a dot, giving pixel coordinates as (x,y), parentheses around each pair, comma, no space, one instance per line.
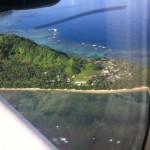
(82,15)
(87,121)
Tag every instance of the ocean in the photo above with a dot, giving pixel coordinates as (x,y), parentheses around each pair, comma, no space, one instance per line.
(121,33)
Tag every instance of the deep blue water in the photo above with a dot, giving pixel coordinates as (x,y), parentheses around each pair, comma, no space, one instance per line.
(120,33)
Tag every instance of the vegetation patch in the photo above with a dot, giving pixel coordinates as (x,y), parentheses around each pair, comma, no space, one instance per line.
(25,64)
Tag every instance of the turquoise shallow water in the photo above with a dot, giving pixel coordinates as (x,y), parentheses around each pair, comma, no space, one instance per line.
(121,33)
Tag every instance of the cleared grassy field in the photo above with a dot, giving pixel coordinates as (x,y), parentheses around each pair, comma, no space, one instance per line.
(86,75)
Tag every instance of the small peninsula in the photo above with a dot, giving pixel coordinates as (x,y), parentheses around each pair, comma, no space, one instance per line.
(25,64)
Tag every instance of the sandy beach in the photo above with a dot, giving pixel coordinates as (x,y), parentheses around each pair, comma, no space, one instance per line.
(80,91)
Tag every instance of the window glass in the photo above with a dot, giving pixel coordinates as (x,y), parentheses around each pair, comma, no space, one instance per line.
(78,71)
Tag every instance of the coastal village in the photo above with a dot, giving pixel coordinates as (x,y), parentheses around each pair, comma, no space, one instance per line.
(112,72)
(109,70)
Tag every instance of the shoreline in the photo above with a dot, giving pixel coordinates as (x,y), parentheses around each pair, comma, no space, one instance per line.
(137,89)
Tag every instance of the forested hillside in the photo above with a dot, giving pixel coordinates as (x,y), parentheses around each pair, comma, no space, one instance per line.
(23,63)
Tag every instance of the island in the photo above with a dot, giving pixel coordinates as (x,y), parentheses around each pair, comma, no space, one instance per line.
(77,103)
(25,64)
